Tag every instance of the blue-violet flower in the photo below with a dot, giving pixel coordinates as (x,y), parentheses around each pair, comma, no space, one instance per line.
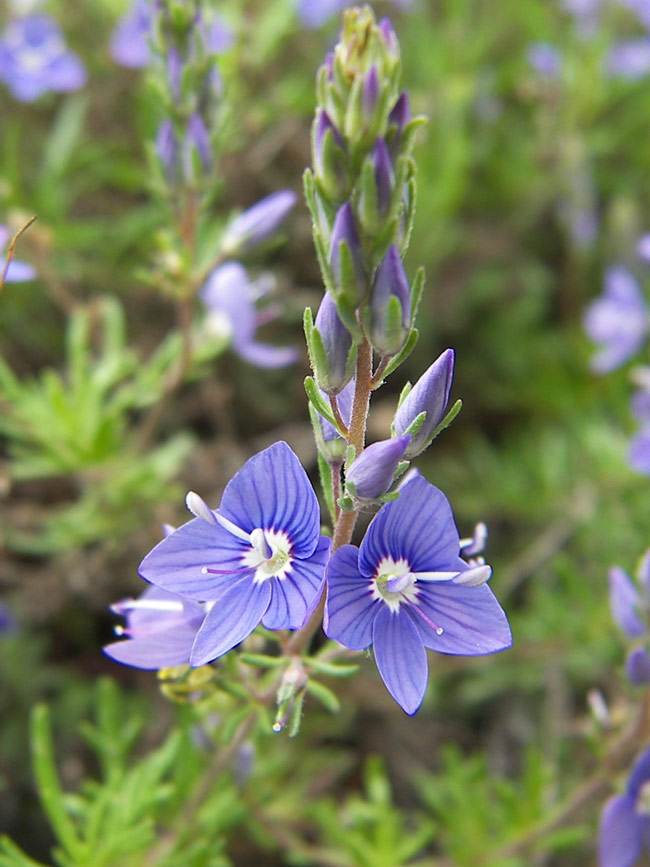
(618,320)
(625,820)
(229,296)
(406,589)
(34,59)
(258,558)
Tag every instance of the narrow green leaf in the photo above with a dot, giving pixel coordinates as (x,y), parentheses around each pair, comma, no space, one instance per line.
(49,788)
(318,401)
(326,472)
(324,695)
(398,359)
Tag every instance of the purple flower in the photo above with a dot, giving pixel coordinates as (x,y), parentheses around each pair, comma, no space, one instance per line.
(259,558)
(625,603)
(160,631)
(17,272)
(406,589)
(34,59)
(371,473)
(229,296)
(618,320)
(630,59)
(130,42)
(625,820)
(130,39)
(259,222)
(545,59)
(430,394)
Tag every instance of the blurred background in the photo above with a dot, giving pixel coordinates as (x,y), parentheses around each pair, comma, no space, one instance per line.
(533,179)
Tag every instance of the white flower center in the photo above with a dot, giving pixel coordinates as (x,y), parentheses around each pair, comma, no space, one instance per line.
(394,583)
(270,554)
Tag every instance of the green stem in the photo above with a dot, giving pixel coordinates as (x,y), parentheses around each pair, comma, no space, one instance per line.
(345,524)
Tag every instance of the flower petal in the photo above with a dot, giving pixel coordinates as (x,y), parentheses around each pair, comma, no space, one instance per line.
(294,597)
(640,773)
(272,491)
(419,527)
(471,618)
(265,354)
(619,838)
(624,602)
(177,563)
(401,658)
(232,619)
(19,272)
(162,649)
(350,609)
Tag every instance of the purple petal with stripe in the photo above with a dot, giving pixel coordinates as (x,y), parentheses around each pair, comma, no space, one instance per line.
(162,649)
(294,597)
(236,614)
(401,658)
(177,562)
(471,618)
(142,619)
(272,491)
(619,838)
(350,609)
(419,527)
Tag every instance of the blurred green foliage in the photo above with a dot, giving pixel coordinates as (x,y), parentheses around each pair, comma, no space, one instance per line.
(538,451)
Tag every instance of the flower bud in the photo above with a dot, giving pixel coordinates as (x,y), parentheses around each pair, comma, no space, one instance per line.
(330,443)
(371,473)
(390,305)
(370,93)
(337,343)
(637,666)
(167,149)
(197,141)
(258,223)
(330,156)
(377,181)
(346,258)
(430,394)
(398,118)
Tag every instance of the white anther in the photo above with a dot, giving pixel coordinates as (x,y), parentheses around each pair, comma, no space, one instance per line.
(199,508)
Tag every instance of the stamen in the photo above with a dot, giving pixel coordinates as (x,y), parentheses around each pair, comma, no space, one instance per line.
(435,576)
(127,605)
(206,571)
(437,629)
(260,544)
(474,577)
(199,508)
(233,529)
(400,582)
